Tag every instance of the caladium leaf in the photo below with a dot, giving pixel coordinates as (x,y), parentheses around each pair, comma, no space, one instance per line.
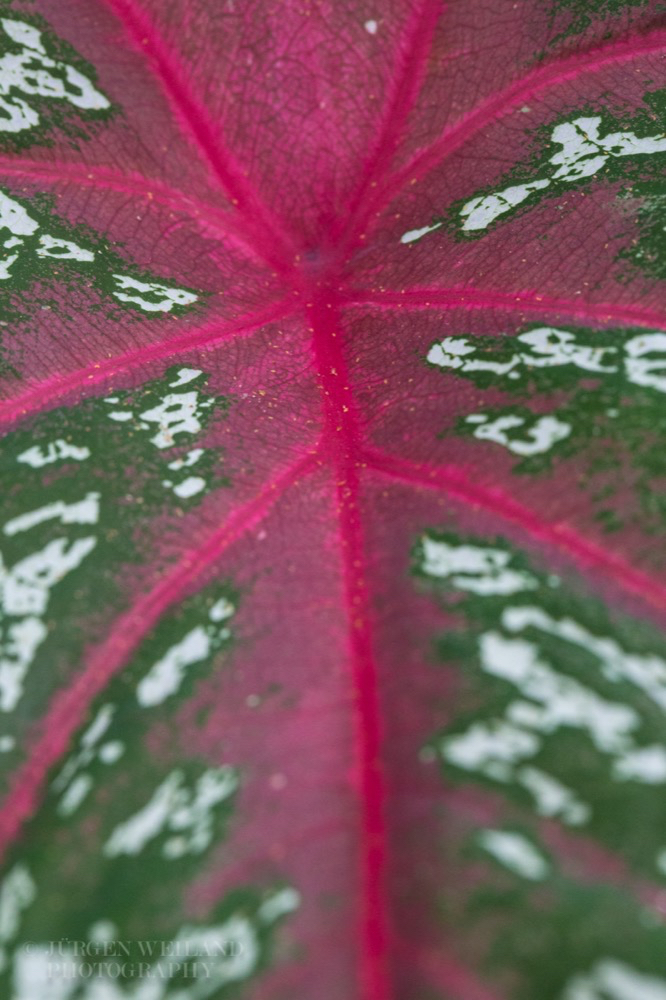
(332,376)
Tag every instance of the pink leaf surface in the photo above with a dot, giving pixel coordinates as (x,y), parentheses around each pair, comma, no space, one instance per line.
(332,367)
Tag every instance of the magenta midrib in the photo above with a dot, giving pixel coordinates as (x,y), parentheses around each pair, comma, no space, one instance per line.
(341,439)
(455,482)
(67,710)
(231,180)
(65,716)
(230,176)
(484,113)
(134,20)
(44,394)
(417,44)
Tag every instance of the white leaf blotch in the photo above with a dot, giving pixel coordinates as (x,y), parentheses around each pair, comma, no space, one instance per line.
(584,152)
(515,852)
(478,569)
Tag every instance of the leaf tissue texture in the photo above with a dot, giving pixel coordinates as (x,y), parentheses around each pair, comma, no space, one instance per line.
(333,454)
